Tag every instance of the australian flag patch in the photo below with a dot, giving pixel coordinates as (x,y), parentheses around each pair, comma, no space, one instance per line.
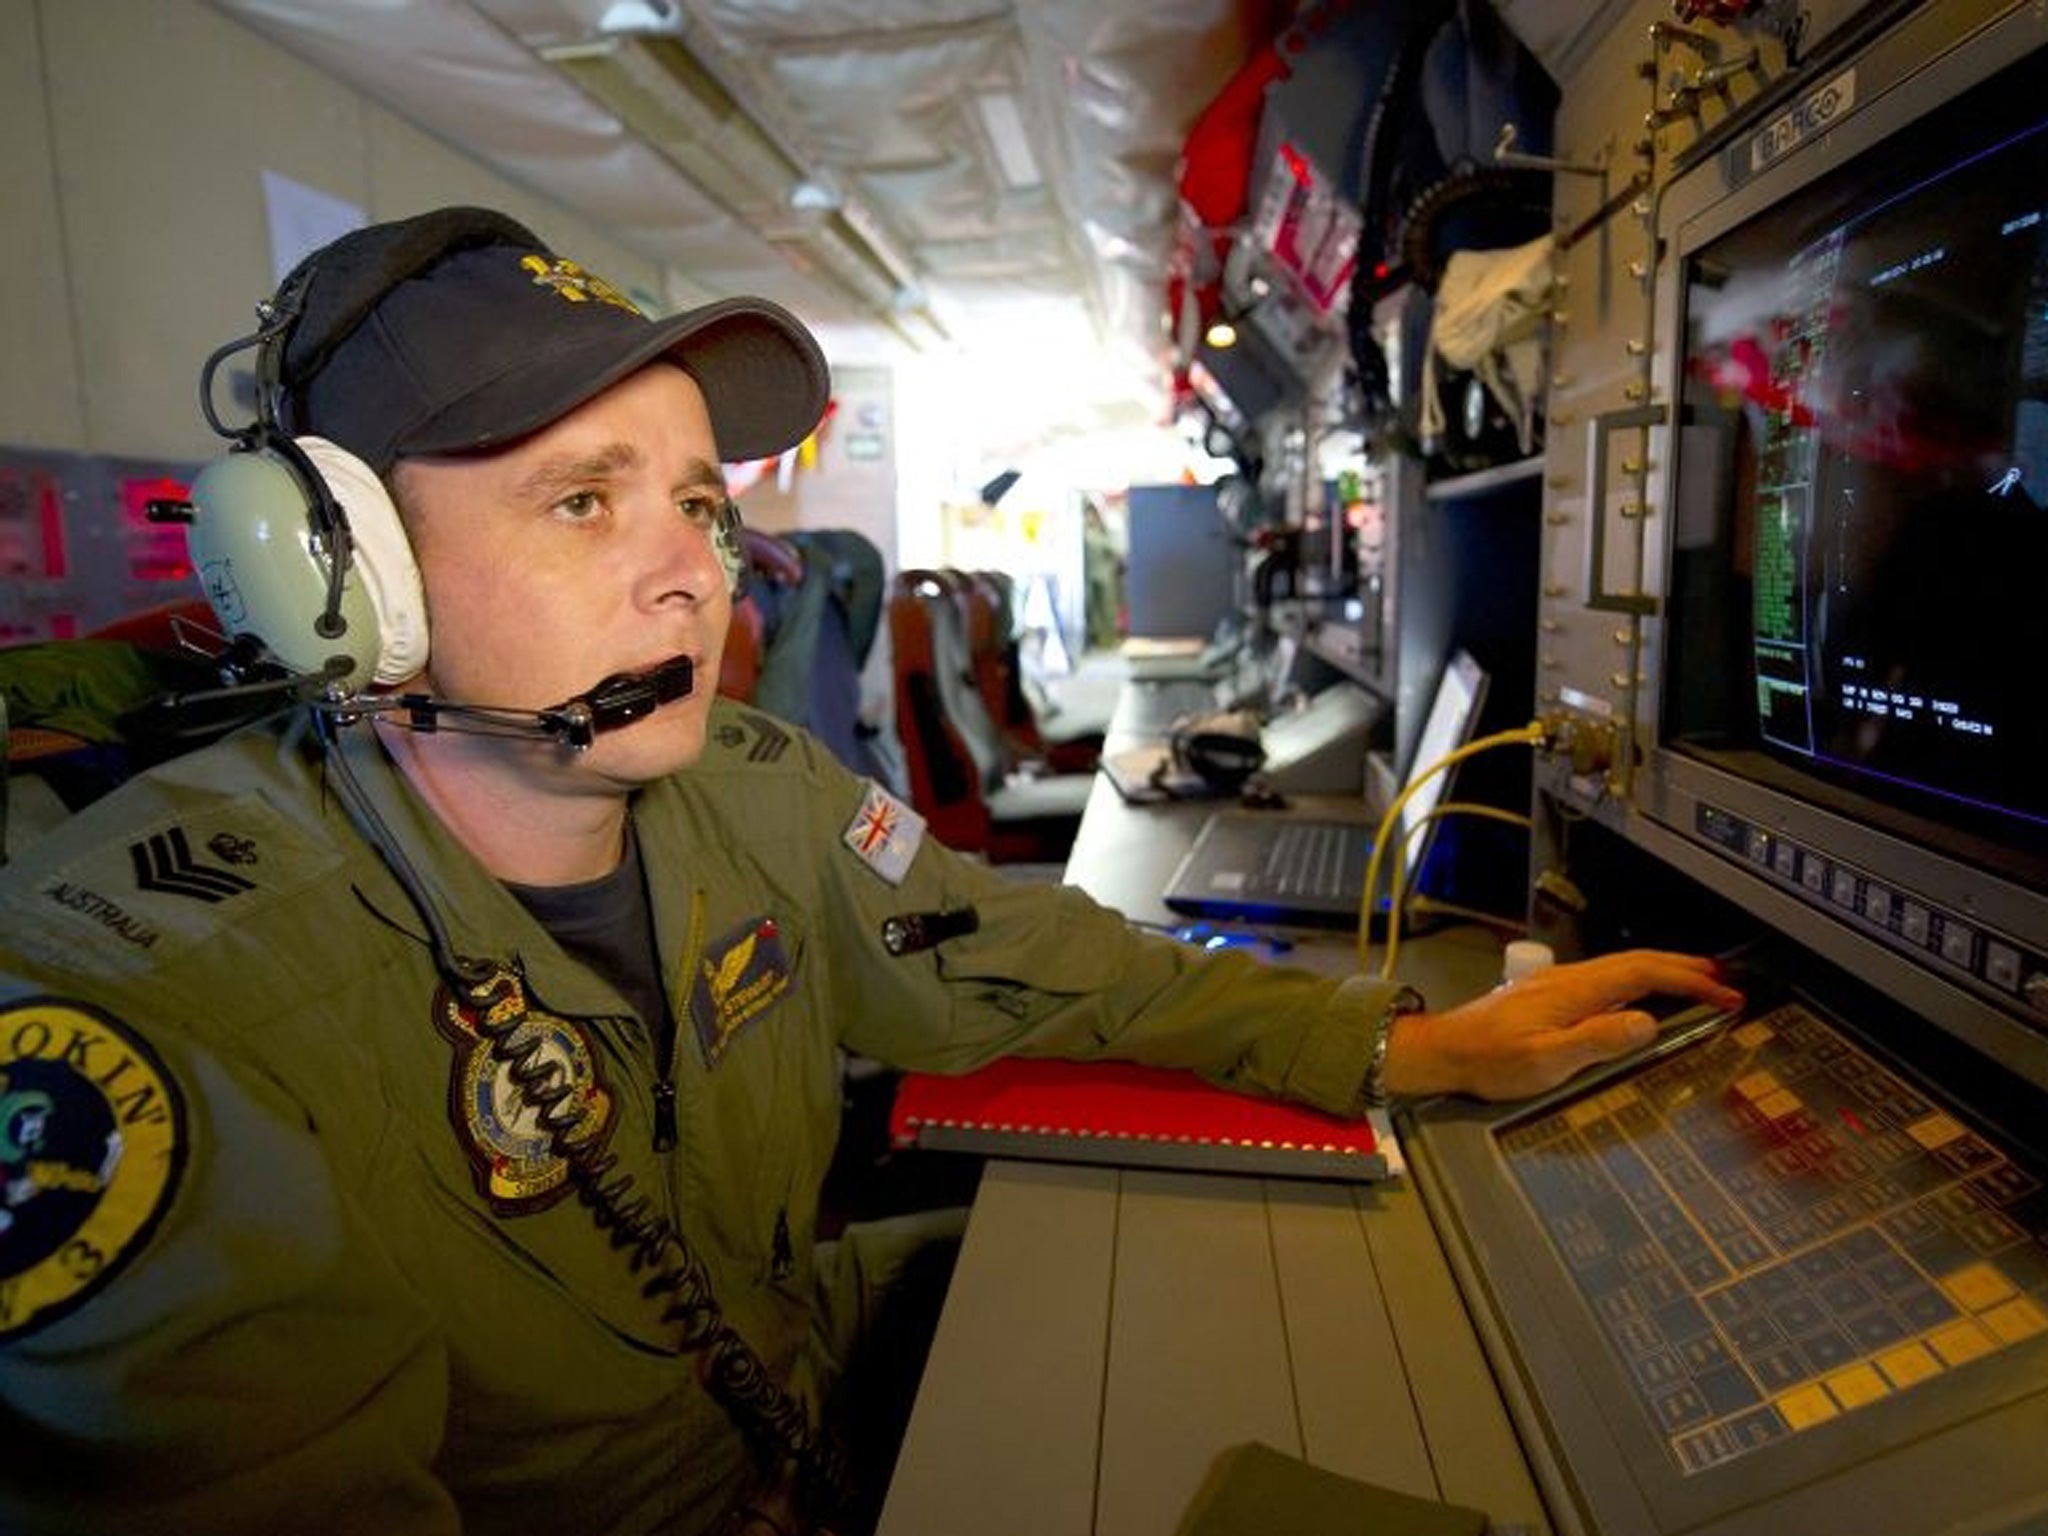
(885,834)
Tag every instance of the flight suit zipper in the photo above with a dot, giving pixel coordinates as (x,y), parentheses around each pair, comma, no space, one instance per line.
(668,1033)
(665,1096)
(782,1260)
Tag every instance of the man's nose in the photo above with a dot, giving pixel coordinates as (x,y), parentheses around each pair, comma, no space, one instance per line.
(683,558)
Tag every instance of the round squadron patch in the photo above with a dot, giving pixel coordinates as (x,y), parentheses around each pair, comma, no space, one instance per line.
(511,1152)
(92,1144)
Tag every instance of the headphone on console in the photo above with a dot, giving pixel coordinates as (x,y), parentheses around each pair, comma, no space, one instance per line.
(297,543)
(1223,749)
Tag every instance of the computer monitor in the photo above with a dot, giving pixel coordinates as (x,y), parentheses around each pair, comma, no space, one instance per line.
(1752,1282)
(1880,360)
(1860,527)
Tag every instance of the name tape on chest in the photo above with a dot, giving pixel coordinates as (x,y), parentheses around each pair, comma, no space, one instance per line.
(739,978)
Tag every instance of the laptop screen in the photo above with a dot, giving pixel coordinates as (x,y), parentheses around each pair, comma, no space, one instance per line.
(1257,866)
(1452,714)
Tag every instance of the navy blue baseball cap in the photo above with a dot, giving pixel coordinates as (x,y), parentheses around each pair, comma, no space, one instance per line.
(457,331)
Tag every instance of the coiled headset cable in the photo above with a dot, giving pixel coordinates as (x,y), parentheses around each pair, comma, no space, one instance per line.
(492,995)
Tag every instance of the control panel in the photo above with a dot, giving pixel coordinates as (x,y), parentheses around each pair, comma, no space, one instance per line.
(1947,940)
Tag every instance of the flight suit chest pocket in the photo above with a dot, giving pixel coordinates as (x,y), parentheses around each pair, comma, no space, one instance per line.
(547,1267)
(543,1153)
(767,1101)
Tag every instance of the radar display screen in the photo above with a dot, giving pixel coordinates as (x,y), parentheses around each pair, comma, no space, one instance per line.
(1774,1229)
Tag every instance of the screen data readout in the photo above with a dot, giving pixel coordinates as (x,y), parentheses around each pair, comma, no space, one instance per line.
(1773,1229)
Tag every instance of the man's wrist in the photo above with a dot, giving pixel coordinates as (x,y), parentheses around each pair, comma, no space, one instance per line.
(1372,1089)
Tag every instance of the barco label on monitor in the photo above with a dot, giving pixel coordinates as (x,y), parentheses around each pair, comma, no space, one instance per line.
(1812,114)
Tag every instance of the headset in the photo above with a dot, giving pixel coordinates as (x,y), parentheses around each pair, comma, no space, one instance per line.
(295,540)
(1223,749)
(297,543)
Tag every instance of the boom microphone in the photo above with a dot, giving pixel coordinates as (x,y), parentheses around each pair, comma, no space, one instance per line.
(616,701)
(263,687)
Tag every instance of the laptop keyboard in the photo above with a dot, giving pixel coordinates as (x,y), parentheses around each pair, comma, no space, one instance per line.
(1307,861)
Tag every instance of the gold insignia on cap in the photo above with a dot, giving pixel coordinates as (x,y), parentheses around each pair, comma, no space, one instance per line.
(92,1144)
(573,283)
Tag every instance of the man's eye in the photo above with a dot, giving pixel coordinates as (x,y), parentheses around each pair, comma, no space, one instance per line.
(580,504)
(703,511)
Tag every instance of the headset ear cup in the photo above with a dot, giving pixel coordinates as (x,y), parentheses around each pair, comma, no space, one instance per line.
(259,542)
(256,541)
(383,559)
(729,539)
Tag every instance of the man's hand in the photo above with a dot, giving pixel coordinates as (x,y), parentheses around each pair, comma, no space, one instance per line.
(1523,1039)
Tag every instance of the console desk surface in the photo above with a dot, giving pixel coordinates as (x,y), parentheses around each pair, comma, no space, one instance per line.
(1109,1331)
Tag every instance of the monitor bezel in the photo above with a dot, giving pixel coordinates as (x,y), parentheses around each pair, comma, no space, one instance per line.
(1912,71)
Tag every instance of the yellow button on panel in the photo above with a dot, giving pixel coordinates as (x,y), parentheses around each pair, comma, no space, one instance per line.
(2020,1318)
(1908,1364)
(1778,1105)
(1856,1386)
(1807,1406)
(1960,1341)
(1759,1084)
(1975,1287)
(1935,1130)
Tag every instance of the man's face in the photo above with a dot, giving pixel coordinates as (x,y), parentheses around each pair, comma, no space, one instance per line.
(584,550)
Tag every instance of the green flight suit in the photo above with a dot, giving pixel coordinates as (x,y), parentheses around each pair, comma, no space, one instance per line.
(294,1305)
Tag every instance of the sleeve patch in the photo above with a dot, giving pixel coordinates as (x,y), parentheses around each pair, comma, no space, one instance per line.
(92,1146)
(884,834)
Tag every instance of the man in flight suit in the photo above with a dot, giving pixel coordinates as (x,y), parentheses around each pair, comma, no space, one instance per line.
(413,1109)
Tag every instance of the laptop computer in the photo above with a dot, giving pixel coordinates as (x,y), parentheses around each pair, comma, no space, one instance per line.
(1256,866)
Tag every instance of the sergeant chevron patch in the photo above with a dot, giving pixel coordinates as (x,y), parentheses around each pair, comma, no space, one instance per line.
(164,863)
(763,739)
(211,868)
